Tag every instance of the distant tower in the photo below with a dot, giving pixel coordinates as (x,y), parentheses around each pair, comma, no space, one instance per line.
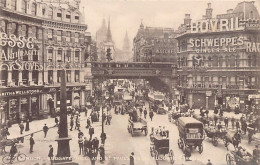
(109,43)
(126,45)
(209,12)
(101,33)
(109,35)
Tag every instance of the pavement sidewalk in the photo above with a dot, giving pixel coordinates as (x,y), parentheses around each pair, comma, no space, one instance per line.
(37,126)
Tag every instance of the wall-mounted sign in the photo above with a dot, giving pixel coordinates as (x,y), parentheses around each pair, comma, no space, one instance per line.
(216,25)
(21,92)
(22,58)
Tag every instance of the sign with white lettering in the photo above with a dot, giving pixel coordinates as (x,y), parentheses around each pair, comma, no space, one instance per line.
(216,25)
(24,58)
(20,92)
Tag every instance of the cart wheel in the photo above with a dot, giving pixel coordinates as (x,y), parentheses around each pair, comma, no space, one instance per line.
(229,159)
(151,151)
(180,145)
(145,132)
(171,156)
(200,148)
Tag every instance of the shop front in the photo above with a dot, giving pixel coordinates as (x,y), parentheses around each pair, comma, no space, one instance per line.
(18,104)
(200,98)
(75,98)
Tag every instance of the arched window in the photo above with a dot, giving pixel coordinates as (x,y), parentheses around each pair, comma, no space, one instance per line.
(3,3)
(232,60)
(3,26)
(24,6)
(50,13)
(59,15)
(76,18)
(77,56)
(34,9)
(13,4)
(215,60)
(68,56)
(251,14)
(209,61)
(59,55)
(220,61)
(68,16)
(254,60)
(237,61)
(50,55)
(249,60)
(227,60)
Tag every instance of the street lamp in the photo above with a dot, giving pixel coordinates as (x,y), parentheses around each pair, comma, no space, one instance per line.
(103,134)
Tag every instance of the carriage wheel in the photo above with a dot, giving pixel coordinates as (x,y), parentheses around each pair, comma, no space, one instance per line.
(145,132)
(229,159)
(200,148)
(171,156)
(180,145)
(6,159)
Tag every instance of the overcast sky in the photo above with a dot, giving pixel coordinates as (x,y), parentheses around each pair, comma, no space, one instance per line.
(126,15)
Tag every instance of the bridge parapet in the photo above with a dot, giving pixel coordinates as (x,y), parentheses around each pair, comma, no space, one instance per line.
(133,69)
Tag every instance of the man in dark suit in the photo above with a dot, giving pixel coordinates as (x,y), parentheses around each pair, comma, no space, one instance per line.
(31,143)
(91,132)
(50,155)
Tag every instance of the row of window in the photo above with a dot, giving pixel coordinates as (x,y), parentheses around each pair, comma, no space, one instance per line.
(68,76)
(68,35)
(26,8)
(219,61)
(66,58)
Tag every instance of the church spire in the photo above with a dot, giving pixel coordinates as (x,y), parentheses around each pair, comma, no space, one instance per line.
(126,45)
(109,35)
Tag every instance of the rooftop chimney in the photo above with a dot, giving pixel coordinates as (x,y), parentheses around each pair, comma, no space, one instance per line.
(209,11)
(209,5)
(187,19)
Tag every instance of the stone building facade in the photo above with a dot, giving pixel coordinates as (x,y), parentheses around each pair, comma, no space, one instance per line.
(218,58)
(153,44)
(39,39)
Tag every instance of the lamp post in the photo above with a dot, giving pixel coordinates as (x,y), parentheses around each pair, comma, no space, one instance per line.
(103,134)
(63,151)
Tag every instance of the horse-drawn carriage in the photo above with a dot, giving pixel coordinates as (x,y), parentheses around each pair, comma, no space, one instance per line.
(161,146)
(215,134)
(233,138)
(137,125)
(191,133)
(9,142)
(236,158)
